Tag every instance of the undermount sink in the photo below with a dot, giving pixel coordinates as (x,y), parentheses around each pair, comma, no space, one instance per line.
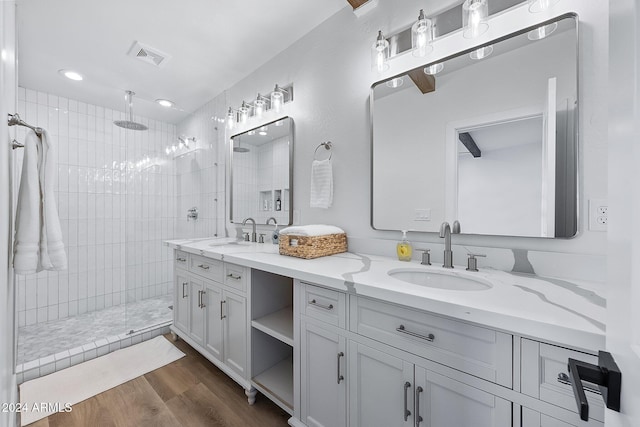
(431,279)
(228,241)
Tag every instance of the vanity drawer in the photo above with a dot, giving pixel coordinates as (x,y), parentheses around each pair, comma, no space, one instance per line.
(236,276)
(181,259)
(324,304)
(207,267)
(476,350)
(545,376)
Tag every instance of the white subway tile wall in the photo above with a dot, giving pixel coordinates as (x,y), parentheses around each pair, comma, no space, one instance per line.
(117,199)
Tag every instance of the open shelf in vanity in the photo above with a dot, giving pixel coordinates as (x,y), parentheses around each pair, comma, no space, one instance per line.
(272,340)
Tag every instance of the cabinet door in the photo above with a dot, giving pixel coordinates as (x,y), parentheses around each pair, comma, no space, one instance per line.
(214,338)
(181,301)
(196,312)
(531,418)
(235,331)
(444,402)
(381,388)
(323,372)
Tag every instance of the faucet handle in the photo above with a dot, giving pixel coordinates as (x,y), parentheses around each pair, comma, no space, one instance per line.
(472,262)
(426,256)
(246,237)
(261,238)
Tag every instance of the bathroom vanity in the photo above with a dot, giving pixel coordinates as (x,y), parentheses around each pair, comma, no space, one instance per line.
(342,340)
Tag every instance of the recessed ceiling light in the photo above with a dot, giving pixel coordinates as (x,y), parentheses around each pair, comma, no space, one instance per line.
(72,75)
(165,102)
(252,132)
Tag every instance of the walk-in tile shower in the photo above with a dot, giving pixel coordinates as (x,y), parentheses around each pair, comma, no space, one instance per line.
(116,200)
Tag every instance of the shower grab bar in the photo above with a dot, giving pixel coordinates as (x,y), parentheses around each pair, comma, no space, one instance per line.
(15,120)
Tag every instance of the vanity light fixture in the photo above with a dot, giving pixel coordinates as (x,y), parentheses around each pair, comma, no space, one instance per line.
(542,31)
(71,75)
(231,119)
(380,54)
(474,18)
(537,6)
(259,105)
(421,36)
(482,52)
(165,103)
(394,83)
(278,98)
(243,112)
(434,69)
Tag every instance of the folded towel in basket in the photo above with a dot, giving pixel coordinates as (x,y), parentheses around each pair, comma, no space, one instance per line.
(312,230)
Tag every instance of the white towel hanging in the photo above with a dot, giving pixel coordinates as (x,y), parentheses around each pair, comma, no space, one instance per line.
(38,241)
(321,184)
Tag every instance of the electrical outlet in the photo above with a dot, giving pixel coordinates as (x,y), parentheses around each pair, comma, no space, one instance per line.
(598,214)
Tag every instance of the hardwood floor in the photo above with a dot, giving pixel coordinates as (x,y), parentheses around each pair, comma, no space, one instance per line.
(188,392)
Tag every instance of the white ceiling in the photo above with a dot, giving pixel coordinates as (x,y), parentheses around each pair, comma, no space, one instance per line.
(212,43)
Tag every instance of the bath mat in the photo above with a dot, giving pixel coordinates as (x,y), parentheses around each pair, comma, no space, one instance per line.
(57,392)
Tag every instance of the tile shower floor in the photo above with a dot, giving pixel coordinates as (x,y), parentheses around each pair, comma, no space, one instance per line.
(44,339)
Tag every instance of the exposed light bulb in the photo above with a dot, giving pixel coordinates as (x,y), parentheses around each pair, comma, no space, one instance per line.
(277,99)
(251,132)
(421,35)
(258,106)
(474,15)
(380,54)
(244,112)
(230,119)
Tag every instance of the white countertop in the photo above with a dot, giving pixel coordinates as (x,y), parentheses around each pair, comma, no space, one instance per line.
(554,310)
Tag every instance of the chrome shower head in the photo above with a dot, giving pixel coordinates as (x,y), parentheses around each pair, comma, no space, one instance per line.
(130,124)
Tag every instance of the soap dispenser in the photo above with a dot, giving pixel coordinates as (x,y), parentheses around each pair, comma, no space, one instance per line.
(275,236)
(403,248)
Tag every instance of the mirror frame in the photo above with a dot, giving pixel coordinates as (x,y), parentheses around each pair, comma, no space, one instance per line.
(230,167)
(576,124)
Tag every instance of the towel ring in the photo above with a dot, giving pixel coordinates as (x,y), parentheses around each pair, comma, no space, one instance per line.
(327,146)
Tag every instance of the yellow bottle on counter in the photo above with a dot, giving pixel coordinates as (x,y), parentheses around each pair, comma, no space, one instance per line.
(403,248)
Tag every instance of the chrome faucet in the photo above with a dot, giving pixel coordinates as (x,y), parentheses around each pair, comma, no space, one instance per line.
(254,236)
(445,233)
(271,218)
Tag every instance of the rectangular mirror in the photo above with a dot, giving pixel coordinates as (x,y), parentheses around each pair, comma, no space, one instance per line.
(490,140)
(261,178)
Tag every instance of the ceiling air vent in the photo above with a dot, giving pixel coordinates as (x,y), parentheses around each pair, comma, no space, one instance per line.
(148,54)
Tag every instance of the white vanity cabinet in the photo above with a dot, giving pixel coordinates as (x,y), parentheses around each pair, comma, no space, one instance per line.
(210,314)
(324,378)
(389,391)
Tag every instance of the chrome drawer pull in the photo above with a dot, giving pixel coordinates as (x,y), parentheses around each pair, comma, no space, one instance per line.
(204,267)
(202,304)
(429,337)
(231,276)
(199,299)
(406,412)
(419,418)
(340,377)
(326,307)
(181,259)
(184,285)
(221,315)
(564,379)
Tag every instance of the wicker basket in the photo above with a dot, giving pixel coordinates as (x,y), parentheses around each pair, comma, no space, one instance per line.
(309,247)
